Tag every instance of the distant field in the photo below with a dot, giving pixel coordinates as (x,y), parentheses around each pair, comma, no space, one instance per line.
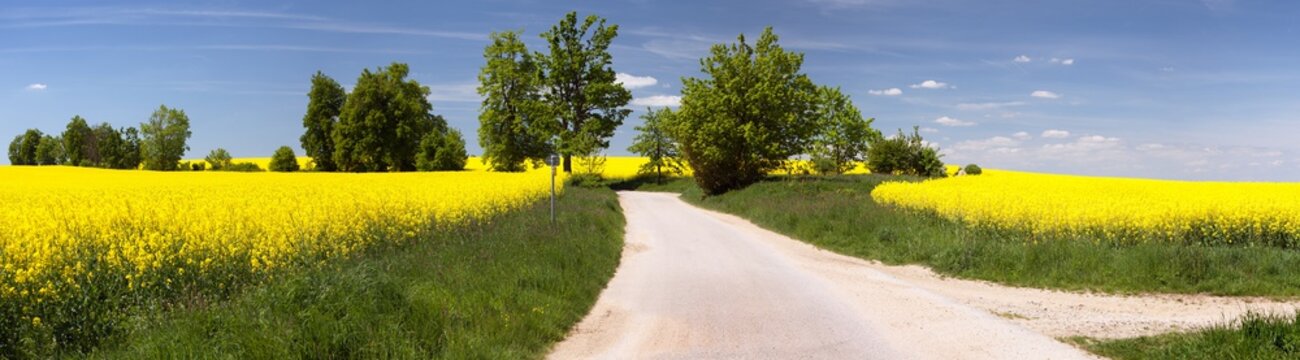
(1119,210)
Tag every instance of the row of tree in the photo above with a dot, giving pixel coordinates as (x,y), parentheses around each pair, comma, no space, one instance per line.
(385,124)
(159,144)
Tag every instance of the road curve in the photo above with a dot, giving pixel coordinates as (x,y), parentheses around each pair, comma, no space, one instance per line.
(700,284)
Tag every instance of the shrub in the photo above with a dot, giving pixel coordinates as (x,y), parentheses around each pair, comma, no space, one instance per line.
(219,159)
(198,166)
(441,151)
(284,160)
(972,169)
(905,155)
(243,167)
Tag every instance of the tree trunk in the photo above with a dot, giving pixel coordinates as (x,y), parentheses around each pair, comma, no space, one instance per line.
(568,164)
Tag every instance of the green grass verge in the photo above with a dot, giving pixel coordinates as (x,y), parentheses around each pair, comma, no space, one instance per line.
(509,287)
(838,214)
(1252,337)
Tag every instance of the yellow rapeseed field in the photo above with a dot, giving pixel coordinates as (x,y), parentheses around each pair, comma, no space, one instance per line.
(1110,209)
(65,230)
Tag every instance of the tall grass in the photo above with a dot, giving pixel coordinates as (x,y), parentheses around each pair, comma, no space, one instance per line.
(838,214)
(508,287)
(1254,336)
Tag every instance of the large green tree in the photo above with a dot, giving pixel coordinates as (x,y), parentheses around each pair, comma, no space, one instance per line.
(15,150)
(130,149)
(23,150)
(580,84)
(383,121)
(164,138)
(653,142)
(108,151)
(442,151)
(842,135)
(515,125)
(75,137)
(50,151)
(325,102)
(752,111)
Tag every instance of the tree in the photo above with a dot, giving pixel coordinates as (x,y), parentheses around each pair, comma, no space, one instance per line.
(218,159)
(164,139)
(325,102)
(580,85)
(653,142)
(515,124)
(15,151)
(130,149)
(75,139)
(383,121)
(753,111)
(842,135)
(905,155)
(442,151)
(50,151)
(107,152)
(284,160)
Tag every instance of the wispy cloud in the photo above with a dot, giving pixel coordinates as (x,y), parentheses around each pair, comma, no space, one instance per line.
(630,81)
(886,92)
(1055,134)
(1044,94)
(455,92)
(1060,61)
(947,121)
(931,84)
(37,87)
(214,47)
(1022,136)
(1022,59)
(658,101)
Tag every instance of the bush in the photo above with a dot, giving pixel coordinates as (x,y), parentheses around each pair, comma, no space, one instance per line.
(198,166)
(972,169)
(441,151)
(243,167)
(284,160)
(219,159)
(905,155)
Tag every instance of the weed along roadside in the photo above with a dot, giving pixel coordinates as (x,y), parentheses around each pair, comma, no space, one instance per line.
(507,287)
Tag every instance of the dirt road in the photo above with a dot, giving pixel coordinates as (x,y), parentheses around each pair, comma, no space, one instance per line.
(699,284)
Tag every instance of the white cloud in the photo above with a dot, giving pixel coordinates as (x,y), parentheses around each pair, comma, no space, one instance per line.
(462,92)
(1022,136)
(929,130)
(1055,134)
(1022,59)
(931,84)
(658,101)
(1066,62)
(630,81)
(886,92)
(947,121)
(988,105)
(1044,94)
(37,87)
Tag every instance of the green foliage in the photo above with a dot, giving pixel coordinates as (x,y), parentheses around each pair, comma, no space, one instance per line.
(443,151)
(50,151)
(75,138)
(905,155)
(243,167)
(22,151)
(324,104)
(842,136)
(104,146)
(130,149)
(1253,336)
(653,142)
(164,137)
(218,159)
(382,122)
(581,87)
(284,160)
(752,112)
(505,288)
(972,169)
(515,124)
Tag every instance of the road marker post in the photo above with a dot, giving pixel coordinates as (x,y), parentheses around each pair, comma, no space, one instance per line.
(553,160)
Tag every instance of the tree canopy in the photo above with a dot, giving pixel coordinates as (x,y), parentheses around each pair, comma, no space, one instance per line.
(515,124)
(164,138)
(581,86)
(653,142)
(324,104)
(842,136)
(382,122)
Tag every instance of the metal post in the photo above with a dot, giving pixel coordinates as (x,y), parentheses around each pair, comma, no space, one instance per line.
(553,161)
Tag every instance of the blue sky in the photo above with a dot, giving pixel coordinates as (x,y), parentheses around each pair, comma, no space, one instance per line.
(1185,89)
